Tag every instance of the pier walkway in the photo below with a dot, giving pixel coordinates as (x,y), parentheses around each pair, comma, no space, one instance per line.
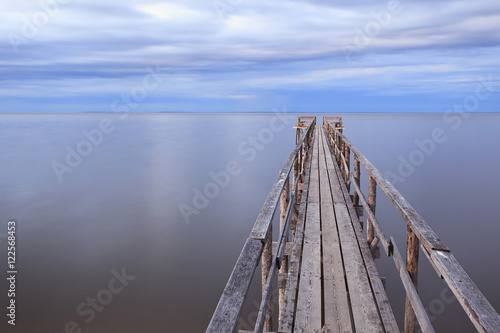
(323,261)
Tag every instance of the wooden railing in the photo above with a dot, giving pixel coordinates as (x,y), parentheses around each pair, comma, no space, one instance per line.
(259,245)
(419,235)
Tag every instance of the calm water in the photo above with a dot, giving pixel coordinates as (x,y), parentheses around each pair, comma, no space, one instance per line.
(114,211)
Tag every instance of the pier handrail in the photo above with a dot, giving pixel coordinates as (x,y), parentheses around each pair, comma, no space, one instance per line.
(225,317)
(479,310)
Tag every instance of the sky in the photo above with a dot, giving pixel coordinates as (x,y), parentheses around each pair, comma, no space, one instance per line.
(249,56)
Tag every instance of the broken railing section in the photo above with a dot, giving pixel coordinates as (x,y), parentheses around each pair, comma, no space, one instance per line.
(419,235)
(287,192)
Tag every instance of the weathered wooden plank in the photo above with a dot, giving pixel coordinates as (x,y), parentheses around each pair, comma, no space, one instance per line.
(288,310)
(427,236)
(481,313)
(411,292)
(385,242)
(412,254)
(314,189)
(385,309)
(288,248)
(336,304)
(372,201)
(315,160)
(308,314)
(266,270)
(225,317)
(265,322)
(266,214)
(326,148)
(357,180)
(335,190)
(324,183)
(314,195)
(364,309)
(337,316)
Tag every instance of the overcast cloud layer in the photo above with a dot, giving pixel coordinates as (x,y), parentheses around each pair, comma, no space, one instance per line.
(242,55)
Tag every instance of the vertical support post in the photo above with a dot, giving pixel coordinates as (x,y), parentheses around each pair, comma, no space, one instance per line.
(339,150)
(372,199)
(299,157)
(412,252)
(296,174)
(267,258)
(357,179)
(297,139)
(347,155)
(284,201)
(342,157)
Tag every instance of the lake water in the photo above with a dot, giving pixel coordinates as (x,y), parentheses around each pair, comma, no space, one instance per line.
(109,238)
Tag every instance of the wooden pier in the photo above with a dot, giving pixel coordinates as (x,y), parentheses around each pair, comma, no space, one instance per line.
(323,261)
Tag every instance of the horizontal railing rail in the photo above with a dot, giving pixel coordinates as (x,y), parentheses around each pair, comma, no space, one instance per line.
(419,235)
(258,245)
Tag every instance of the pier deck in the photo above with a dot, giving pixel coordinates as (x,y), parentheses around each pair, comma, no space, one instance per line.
(323,260)
(339,288)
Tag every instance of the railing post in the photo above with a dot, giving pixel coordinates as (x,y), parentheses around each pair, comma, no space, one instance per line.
(357,179)
(296,179)
(297,139)
(372,199)
(267,258)
(284,202)
(347,156)
(412,251)
(339,155)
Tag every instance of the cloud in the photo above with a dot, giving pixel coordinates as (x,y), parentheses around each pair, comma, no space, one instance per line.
(98,49)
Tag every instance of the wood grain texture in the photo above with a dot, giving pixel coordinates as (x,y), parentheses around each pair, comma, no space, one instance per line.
(226,314)
(337,316)
(289,302)
(380,295)
(266,214)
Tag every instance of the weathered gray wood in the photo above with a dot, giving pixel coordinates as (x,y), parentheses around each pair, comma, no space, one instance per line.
(412,251)
(265,321)
(476,306)
(348,166)
(266,214)
(481,313)
(336,303)
(288,310)
(385,242)
(357,179)
(288,248)
(308,314)
(266,264)
(437,268)
(284,202)
(225,317)
(426,235)
(335,190)
(364,310)
(372,201)
(411,292)
(337,316)
(385,310)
